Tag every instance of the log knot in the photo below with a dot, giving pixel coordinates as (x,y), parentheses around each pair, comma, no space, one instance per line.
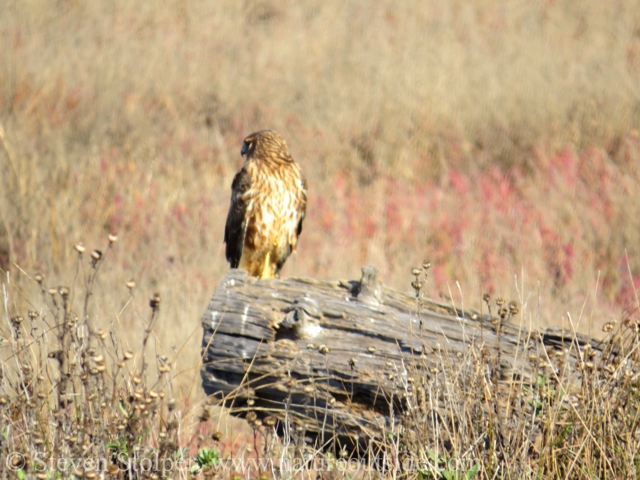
(301,320)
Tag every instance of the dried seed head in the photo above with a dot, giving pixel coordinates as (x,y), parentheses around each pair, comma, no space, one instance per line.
(98,359)
(308,389)
(131,284)
(514,309)
(416,271)
(499,301)
(17,320)
(205,415)
(486,297)
(426,265)
(63,291)
(154,303)
(310,346)
(171,404)
(251,416)
(113,238)
(79,247)
(52,291)
(323,349)
(372,349)
(33,314)
(128,355)
(269,420)
(102,334)
(607,327)
(38,278)
(352,362)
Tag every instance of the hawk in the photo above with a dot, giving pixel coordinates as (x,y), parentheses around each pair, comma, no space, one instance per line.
(268,204)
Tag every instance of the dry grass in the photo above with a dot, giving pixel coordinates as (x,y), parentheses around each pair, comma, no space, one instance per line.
(80,401)
(77,403)
(494,140)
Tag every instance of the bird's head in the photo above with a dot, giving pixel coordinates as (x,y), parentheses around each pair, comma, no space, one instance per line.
(266,145)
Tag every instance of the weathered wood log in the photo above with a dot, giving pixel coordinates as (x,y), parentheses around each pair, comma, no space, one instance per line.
(338,358)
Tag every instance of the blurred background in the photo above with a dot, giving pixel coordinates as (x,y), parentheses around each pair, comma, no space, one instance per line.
(498,140)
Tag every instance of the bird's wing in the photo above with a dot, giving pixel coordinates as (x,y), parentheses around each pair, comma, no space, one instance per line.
(236,226)
(303,206)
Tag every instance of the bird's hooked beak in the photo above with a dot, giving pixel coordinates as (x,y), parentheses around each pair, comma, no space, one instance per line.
(245,149)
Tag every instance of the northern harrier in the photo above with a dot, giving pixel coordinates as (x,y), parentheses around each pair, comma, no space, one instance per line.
(268,203)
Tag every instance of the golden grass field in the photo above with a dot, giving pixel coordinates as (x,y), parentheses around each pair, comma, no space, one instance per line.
(500,141)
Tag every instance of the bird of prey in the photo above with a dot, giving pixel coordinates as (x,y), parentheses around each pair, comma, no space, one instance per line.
(268,204)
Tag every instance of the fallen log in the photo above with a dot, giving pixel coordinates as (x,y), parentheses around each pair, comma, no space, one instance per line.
(339,360)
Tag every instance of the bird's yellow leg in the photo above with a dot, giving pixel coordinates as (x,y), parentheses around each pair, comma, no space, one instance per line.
(265,268)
